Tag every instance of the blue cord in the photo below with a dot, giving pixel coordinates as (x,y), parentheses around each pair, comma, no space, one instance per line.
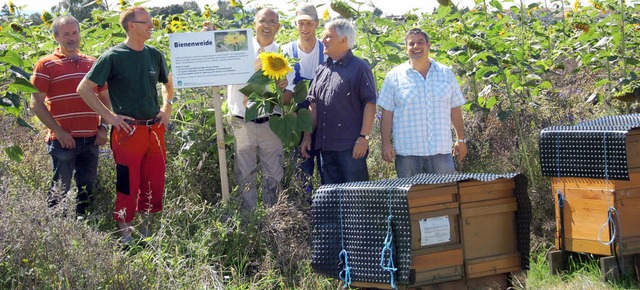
(560,195)
(560,199)
(388,265)
(609,221)
(345,274)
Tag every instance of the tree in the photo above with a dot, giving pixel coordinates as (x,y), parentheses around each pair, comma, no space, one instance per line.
(77,8)
(174,9)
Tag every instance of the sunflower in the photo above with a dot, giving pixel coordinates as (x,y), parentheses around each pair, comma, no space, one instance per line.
(16,27)
(233,3)
(325,15)
(98,2)
(176,25)
(11,7)
(234,39)
(122,3)
(156,23)
(274,65)
(46,17)
(576,5)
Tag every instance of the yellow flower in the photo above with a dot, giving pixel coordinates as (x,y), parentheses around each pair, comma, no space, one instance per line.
(98,2)
(46,17)
(274,65)
(576,5)
(234,39)
(122,3)
(233,3)
(176,25)
(325,15)
(11,7)
(1,28)
(207,13)
(499,16)
(156,23)
(502,32)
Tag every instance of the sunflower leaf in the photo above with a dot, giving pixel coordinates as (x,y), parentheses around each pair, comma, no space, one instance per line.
(304,120)
(300,91)
(286,129)
(256,106)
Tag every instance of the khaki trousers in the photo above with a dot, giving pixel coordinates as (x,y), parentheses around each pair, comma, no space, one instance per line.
(256,142)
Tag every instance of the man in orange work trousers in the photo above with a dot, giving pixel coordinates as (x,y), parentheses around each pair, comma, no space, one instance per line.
(132,70)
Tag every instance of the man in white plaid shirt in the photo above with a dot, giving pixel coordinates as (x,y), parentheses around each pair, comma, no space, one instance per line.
(420,101)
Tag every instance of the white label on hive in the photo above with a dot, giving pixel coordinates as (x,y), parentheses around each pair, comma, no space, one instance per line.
(435,230)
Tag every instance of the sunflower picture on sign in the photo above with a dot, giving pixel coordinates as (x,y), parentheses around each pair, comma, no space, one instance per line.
(231,41)
(265,98)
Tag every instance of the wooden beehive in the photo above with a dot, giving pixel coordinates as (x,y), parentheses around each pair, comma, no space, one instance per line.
(588,201)
(462,233)
(595,170)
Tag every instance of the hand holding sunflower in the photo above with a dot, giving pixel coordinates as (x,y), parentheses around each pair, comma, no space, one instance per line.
(265,94)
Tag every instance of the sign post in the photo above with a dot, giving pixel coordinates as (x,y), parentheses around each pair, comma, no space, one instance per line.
(213,58)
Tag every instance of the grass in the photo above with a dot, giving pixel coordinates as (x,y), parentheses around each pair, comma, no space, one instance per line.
(202,244)
(583,273)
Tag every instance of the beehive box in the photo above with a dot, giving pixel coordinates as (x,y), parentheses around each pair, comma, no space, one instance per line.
(595,169)
(446,228)
(487,212)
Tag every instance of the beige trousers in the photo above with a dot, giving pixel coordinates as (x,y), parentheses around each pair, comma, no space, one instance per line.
(256,142)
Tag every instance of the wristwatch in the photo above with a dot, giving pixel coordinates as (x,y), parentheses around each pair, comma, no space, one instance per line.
(463,140)
(103,125)
(366,137)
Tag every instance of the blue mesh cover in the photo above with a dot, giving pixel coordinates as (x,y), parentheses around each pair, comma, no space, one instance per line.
(594,149)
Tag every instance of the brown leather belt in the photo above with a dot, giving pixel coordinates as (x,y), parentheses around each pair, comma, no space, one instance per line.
(147,122)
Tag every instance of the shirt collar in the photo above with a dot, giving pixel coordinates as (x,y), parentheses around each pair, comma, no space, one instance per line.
(344,61)
(269,48)
(434,66)
(60,55)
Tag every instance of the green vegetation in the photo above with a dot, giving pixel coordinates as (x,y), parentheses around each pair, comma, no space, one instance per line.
(522,68)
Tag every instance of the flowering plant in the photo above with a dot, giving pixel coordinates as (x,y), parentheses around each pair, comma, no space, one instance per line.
(266,98)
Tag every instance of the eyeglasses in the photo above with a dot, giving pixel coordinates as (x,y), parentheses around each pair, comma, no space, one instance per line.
(270,22)
(142,22)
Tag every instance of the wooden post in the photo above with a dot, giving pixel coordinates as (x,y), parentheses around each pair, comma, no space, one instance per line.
(610,270)
(557,262)
(222,154)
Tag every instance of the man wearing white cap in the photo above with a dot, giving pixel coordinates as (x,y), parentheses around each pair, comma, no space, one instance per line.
(309,50)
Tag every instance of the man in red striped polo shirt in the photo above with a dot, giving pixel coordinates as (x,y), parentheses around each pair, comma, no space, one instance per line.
(74,129)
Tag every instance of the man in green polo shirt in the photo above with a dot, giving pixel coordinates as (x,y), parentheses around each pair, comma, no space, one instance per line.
(132,70)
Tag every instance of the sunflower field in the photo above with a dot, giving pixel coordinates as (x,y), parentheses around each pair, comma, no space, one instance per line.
(522,68)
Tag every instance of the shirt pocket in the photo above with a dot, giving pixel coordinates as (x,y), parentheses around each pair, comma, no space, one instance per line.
(410,95)
(441,94)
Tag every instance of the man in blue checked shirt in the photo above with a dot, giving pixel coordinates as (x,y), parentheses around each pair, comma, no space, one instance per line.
(420,101)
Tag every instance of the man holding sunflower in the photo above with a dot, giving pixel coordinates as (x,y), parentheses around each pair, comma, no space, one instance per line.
(254,138)
(343,107)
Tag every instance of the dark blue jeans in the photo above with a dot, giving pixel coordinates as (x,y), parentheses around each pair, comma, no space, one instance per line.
(341,167)
(84,161)
(307,166)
